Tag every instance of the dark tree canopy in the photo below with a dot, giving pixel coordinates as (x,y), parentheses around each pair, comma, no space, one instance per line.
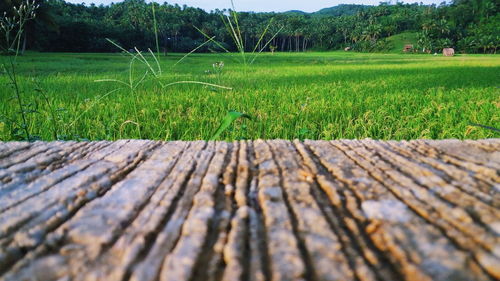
(466,25)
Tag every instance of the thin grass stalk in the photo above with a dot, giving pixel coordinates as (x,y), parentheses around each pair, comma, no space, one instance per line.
(265,45)
(194,50)
(262,36)
(13,78)
(239,45)
(238,29)
(55,130)
(235,16)
(155,26)
(234,31)
(146,62)
(199,83)
(134,94)
(156,60)
(72,123)
(228,28)
(24,15)
(212,39)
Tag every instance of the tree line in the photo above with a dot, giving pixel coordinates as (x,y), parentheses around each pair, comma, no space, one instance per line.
(469,26)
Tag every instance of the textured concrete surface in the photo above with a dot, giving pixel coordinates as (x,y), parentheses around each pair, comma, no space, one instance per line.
(250,210)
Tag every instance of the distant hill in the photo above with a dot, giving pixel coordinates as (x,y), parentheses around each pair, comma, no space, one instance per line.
(342,9)
(295,12)
(335,11)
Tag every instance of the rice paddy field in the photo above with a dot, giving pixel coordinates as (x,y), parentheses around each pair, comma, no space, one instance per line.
(333,95)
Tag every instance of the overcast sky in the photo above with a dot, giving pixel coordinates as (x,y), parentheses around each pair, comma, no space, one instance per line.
(263,5)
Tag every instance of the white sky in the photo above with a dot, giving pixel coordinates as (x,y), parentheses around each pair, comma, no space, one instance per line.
(263,5)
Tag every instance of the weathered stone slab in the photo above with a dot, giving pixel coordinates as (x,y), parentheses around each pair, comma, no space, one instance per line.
(250,210)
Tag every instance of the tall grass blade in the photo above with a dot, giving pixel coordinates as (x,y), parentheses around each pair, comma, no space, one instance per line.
(156,60)
(146,62)
(118,46)
(237,39)
(212,39)
(156,30)
(262,36)
(226,25)
(124,50)
(235,16)
(139,82)
(194,50)
(265,46)
(72,123)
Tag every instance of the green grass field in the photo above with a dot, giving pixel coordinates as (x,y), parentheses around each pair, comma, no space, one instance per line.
(306,95)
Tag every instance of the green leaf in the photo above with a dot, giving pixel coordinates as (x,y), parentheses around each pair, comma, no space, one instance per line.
(231,116)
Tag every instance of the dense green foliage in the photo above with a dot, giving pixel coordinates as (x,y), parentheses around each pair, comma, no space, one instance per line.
(467,25)
(289,95)
(398,41)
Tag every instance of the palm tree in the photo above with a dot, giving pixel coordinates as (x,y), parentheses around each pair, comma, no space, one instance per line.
(487,42)
(427,26)
(443,27)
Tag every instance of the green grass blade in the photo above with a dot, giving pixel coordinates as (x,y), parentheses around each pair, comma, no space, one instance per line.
(138,83)
(234,34)
(155,23)
(212,39)
(118,46)
(262,36)
(199,83)
(231,116)
(229,30)
(235,16)
(194,50)
(156,60)
(123,49)
(145,61)
(72,123)
(267,43)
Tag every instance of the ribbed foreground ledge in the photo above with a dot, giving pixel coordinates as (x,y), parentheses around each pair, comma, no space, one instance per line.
(250,210)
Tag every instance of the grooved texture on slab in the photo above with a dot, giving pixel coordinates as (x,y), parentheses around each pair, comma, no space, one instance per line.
(250,210)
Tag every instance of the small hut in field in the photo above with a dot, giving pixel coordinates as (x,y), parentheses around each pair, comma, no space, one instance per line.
(448,52)
(408,48)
